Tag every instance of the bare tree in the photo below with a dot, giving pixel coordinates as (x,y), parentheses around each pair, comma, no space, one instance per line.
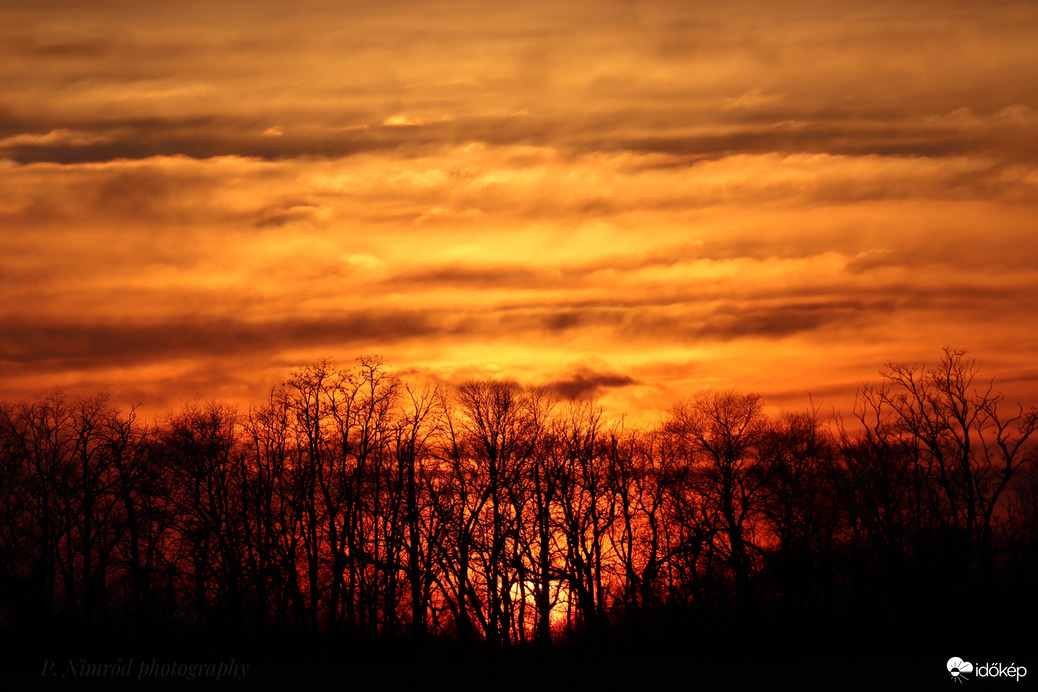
(500,437)
(725,430)
(204,479)
(967,447)
(797,505)
(587,508)
(413,433)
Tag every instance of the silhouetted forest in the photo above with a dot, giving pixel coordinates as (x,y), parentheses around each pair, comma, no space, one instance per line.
(350,506)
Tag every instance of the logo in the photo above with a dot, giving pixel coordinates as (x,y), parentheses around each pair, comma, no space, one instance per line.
(958,669)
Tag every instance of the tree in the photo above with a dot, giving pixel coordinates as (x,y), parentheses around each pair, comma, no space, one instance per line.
(724,431)
(501,435)
(967,448)
(797,505)
(205,481)
(586,507)
(412,434)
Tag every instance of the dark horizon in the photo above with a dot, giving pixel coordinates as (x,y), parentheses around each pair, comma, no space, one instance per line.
(491,524)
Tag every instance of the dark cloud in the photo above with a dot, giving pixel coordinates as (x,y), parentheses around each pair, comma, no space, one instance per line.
(73,50)
(586,382)
(864,139)
(777,322)
(154,194)
(302,211)
(209,136)
(50,345)
(59,345)
(705,312)
(483,276)
(648,323)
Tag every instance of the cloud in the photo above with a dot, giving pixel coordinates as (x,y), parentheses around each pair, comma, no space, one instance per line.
(56,137)
(50,344)
(662,78)
(475,276)
(763,194)
(781,320)
(752,100)
(401,120)
(284,215)
(585,382)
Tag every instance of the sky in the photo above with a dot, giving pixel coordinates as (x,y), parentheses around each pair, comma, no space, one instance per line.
(629,200)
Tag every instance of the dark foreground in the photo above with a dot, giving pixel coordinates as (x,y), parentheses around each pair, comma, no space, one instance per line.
(881,650)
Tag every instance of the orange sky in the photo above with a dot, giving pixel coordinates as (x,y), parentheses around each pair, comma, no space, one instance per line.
(634,199)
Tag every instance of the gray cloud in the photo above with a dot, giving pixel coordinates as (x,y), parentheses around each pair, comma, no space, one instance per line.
(483,276)
(585,382)
(67,344)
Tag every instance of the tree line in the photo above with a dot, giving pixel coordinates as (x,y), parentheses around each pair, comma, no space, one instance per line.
(351,502)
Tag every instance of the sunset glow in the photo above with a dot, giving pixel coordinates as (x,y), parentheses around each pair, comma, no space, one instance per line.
(630,200)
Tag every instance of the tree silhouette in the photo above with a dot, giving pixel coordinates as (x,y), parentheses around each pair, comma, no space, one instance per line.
(351,503)
(964,447)
(724,431)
